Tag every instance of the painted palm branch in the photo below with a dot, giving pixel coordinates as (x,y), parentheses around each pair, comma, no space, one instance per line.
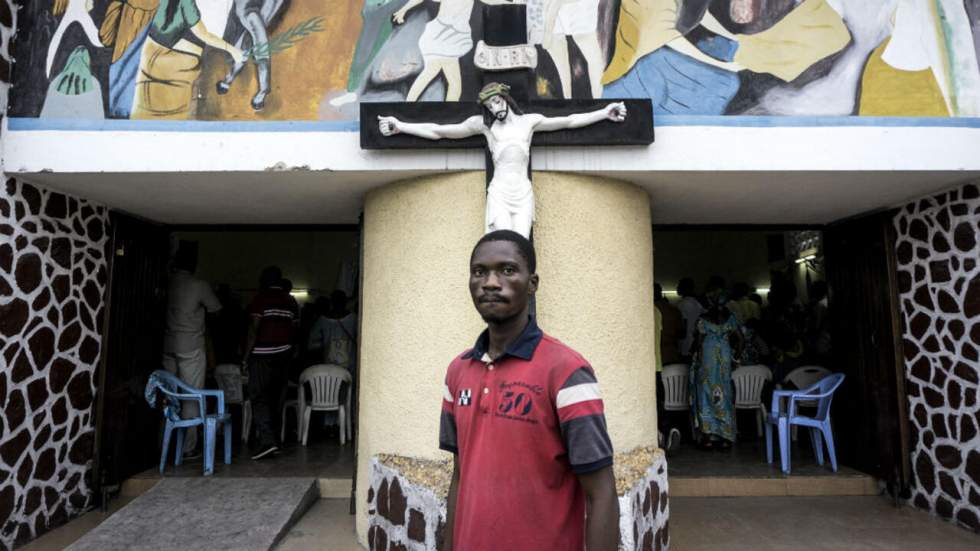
(285,40)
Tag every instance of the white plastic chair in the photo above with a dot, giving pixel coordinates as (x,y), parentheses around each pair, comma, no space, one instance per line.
(230,380)
(805,377)
(291,403)
(749,380)
(324,381)
(675,381)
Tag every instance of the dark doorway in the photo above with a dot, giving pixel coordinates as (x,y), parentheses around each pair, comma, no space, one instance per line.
(317,261)
(872,415)
(854,329)
(127,435)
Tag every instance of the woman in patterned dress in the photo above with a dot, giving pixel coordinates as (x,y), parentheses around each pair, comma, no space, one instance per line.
(718,341)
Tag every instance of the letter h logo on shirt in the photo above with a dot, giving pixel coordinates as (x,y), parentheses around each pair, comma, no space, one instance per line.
(465,396)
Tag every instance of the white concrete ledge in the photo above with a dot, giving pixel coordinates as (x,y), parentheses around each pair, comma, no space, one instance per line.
(677,148)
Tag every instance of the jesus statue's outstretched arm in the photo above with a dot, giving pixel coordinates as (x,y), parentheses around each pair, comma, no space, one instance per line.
(615,112)
(472,126)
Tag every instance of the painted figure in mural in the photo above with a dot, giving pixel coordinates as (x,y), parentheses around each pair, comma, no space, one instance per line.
(508,131)
(554,21)
(377,17)
(657,55)
(446,38)
(255,16)
(915,78)
(124,29)
(71,11)
(928,66)
(74,93)
(834,88)
(170,63)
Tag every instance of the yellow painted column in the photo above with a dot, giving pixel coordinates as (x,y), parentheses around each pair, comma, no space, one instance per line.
(416,313)
(595,260)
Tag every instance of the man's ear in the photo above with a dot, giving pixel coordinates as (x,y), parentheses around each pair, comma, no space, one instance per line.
(533,284)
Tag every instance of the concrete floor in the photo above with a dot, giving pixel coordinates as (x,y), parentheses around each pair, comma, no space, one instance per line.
(702,524)
(63,536)
(322,458)
(325,526)
(811,523)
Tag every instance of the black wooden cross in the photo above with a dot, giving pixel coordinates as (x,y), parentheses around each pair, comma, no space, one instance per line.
(505,25)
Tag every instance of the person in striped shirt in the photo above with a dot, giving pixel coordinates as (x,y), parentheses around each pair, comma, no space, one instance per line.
(273,320)
(523,416)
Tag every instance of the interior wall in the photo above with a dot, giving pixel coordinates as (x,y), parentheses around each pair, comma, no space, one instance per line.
(937,250)
(312,260)
(734,255)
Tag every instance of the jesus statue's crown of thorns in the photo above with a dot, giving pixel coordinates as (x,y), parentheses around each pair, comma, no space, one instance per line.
(491,90)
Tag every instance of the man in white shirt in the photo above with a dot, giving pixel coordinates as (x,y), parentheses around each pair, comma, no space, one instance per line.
(188,301)
(691,310)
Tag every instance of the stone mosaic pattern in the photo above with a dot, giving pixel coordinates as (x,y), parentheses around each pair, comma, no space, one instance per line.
(938,251)
(403,516)
(53,275)
(644,511)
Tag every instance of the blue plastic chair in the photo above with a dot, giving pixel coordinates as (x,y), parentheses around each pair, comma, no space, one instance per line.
(821,393)
(180,391)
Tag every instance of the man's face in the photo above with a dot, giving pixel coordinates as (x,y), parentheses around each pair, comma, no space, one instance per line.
(498,107)
(500,282)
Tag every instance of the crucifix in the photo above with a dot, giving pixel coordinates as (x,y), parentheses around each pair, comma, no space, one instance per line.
(496,120)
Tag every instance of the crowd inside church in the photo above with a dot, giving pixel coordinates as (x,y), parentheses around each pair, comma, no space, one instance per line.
(272,340)
(723,328)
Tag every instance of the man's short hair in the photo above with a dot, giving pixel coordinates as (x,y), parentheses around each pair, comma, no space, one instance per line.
(186,256)
(271,277)
(524,246)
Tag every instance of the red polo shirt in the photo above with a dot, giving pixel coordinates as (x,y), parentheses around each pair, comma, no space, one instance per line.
(523,426)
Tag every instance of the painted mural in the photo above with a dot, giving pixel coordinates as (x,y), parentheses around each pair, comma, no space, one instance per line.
(316,60)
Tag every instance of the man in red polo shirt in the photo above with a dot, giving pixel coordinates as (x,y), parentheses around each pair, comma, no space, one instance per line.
(523,415)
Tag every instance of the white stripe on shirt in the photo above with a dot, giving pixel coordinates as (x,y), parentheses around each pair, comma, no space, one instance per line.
(277,312)
(446,395)
(578,393)
(271,349)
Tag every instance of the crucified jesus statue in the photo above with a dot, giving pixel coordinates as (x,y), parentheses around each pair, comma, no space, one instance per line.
(508,131)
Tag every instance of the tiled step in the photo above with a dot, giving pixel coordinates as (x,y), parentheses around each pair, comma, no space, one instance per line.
(329,488)
(734,486)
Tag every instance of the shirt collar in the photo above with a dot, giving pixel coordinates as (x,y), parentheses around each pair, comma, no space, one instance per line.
(523,346)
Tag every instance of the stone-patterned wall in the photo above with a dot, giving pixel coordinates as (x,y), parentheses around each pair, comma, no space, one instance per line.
(938,250)
(403,516)
(53,276)
(644,511)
